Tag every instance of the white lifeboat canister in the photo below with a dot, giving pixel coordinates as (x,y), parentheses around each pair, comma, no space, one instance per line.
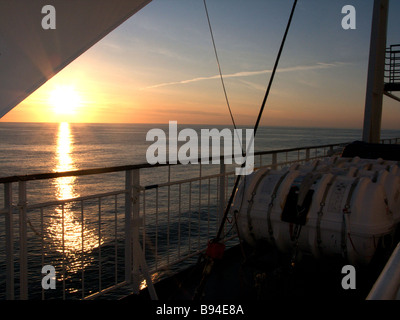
(261,192)
(351,220)
(391,184)
(339,214)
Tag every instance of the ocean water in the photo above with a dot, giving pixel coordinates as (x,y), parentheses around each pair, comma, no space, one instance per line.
(30,148)
(27,148)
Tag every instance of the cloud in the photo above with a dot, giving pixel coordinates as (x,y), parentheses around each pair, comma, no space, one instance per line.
(188,112)
(319,65)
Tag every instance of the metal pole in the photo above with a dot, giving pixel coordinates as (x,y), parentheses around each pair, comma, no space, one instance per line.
(307,154)
(136,261)
(128,226)
(274,165)
(9,242)
(376,71)
(139,265)
(23,272)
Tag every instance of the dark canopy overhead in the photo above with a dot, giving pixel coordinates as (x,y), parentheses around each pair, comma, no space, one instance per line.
(30,55)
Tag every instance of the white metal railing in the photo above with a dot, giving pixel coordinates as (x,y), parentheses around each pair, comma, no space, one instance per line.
(152,219)
(387,286)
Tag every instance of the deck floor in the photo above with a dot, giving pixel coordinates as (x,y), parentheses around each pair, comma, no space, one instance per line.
(246,274)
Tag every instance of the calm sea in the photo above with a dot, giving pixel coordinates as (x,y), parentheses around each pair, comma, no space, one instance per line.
(35,147)
(28,148)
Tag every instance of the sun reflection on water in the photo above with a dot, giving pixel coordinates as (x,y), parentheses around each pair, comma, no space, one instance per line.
(72,236)
(65,186)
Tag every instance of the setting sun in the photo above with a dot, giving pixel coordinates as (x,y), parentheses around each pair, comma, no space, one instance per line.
(65,100)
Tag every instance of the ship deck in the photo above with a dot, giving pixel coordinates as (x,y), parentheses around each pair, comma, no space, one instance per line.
(251,274)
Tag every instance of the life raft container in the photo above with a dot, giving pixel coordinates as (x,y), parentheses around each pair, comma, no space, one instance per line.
(322,208)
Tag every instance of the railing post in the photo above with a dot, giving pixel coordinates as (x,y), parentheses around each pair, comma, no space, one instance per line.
(274,165)
(9,242)
(222,195)
(135,231)
(23,272)
(132,223)
(307,154)
(128,225)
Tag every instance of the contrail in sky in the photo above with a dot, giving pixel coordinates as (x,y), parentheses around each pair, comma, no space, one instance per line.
(319,65)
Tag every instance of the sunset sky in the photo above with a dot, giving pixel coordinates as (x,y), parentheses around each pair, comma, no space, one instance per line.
(160,66)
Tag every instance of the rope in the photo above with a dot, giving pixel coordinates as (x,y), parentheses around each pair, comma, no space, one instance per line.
(220,230)
(219,66)
(275,67)
(258,119)
(209,264)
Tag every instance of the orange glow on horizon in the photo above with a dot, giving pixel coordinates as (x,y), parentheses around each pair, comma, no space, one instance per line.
(150,70)
(91,92)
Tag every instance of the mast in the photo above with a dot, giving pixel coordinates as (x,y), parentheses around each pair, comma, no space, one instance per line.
(376,70)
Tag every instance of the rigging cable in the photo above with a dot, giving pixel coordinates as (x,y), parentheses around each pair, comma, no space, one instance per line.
(209,263)
(225,93)
(219,66)
(218,237)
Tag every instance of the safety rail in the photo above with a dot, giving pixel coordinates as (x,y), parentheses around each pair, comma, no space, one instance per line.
(392,67)
(146,219)
(387,286)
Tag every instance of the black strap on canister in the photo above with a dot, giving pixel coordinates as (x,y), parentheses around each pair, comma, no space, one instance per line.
(321,212)
(270,206)
(251,202)
(347,212)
